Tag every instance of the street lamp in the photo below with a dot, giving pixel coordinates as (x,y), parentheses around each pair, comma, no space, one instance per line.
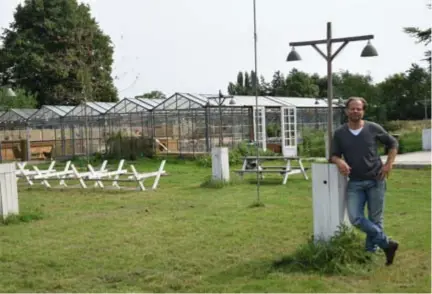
(368,51)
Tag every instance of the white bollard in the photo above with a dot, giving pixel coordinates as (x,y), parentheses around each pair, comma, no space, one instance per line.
(8,190)
(426,139)
(329,200)
(220,164)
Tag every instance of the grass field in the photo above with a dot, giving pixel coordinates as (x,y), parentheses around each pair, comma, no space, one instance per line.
(185,238)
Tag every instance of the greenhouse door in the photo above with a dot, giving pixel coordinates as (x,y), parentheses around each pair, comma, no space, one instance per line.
(260,129)
(289,131)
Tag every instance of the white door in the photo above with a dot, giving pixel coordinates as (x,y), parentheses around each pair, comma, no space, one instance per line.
(260,129)
(289,131)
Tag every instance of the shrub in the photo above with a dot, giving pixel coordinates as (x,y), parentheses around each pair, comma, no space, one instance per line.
(410,142)
(313,144)
(236,154)
(123,146)
(343,253)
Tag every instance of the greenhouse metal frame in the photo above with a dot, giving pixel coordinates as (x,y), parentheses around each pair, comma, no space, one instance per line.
(182,124)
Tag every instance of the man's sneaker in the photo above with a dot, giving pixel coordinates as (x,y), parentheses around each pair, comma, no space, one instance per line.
(390,251)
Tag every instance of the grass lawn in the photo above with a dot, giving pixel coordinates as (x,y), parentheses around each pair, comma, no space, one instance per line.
(184,238)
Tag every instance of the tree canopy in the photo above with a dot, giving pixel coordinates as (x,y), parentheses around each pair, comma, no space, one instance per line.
(422,36)
(21,100)
(155,94)
(399,96)
(56,51)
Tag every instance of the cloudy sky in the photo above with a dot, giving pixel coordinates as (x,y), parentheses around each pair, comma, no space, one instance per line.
(200,45)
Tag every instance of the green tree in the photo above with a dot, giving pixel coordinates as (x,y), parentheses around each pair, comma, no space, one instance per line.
(300,84)
(55,50)
(245,85)
(152,95)
(422,36)
(21,100)
(278,84)
(402,94)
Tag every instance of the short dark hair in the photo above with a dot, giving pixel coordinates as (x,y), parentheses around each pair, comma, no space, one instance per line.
(363,101)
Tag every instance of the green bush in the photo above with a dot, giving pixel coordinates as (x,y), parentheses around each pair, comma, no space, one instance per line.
(127,147)
(410,142)
(273,130)
(236,154)
(402,126)
(313,144)
(344,253)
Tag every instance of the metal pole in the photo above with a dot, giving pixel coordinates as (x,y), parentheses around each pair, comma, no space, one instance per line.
(329,90)
(256,102)
(220,122)
(425,108)
(86,129)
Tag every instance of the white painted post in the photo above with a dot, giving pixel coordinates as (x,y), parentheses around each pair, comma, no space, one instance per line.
(220,164)
(8,190)
(426,139)
(329,200)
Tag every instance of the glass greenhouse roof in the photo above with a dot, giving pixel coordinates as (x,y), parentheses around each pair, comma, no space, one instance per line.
(183,101)
(177,101)
(133,105)
(47,112)
(17,114)
(301,102)
(90,109)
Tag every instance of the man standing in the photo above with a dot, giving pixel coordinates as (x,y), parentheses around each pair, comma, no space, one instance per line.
(357,142)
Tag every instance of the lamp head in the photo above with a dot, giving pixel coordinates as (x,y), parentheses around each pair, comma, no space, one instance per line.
(293,55)
(369,51)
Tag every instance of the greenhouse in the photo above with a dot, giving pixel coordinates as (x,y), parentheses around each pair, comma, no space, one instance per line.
(130,127)
(16,132)
(86,128)
(194,123)
(182,124)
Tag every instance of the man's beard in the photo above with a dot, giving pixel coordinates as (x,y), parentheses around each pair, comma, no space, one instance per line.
(355,119)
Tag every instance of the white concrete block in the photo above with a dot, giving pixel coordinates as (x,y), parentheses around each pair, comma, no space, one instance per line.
(426,139)
(220,164)
(8,190)
(329,200)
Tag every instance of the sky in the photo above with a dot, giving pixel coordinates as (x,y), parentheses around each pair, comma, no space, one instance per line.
(199,46)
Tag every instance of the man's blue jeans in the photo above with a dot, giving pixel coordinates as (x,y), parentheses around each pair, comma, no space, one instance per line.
(370,193)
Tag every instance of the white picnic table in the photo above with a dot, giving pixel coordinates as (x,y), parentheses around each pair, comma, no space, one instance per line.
(286,169)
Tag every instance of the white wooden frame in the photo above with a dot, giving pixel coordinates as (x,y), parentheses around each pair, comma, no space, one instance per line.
(70,172)
(260,131)
(289,131)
